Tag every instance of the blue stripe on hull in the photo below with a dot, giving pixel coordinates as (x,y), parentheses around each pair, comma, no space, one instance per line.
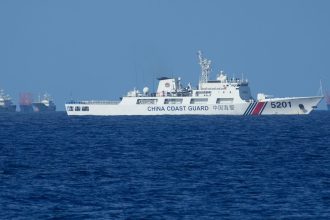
(247,109)
(252,108)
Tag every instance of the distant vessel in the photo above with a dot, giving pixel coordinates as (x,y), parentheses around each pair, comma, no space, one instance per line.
(46,104)
(6,105)
(222,96)
(25,102)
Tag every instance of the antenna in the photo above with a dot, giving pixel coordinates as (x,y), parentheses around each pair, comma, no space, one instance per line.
(320,89)
(136,74)
(153,81)
(205,66)
(71,96)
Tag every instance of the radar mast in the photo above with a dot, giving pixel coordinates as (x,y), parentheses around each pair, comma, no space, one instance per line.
(205,67)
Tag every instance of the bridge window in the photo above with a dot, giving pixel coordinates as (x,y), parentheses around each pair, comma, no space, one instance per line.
(146,101)
(70,108)
(85,108)
(225,100)
(173,101)
(203,93)
(77,108)
(199,101)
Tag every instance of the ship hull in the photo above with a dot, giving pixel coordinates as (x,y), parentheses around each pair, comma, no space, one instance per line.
(40,107)
(278,106)
(11,108)
(26,108)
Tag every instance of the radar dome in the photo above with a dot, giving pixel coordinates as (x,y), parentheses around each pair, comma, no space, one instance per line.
(145,90)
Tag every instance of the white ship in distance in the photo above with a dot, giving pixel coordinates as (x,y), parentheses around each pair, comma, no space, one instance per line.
(46,104)
(222,96)
(6,104)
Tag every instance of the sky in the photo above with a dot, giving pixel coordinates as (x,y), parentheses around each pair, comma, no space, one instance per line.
(100,49)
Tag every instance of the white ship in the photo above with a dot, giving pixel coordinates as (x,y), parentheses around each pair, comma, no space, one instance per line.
(222,96)
(46,104)
(6,105)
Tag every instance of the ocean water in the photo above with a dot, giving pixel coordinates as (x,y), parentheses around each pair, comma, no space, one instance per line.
(169,167)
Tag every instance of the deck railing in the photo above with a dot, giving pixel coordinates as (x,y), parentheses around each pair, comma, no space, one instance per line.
(95,102)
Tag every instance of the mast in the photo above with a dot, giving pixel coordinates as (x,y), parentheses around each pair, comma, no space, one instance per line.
(205,67)
(327,98)
(321,89)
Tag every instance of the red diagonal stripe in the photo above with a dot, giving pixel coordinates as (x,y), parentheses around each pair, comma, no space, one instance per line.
(258,108)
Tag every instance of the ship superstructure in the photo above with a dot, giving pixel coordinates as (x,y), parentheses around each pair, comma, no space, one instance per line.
(222,96)
(6,105)
(44,104)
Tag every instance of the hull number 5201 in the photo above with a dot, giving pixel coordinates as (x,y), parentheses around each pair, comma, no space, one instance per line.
(280,104)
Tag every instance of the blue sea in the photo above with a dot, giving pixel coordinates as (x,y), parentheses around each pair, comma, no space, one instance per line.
(168,167)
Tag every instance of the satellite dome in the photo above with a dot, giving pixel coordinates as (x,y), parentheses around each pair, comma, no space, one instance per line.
(145,90)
